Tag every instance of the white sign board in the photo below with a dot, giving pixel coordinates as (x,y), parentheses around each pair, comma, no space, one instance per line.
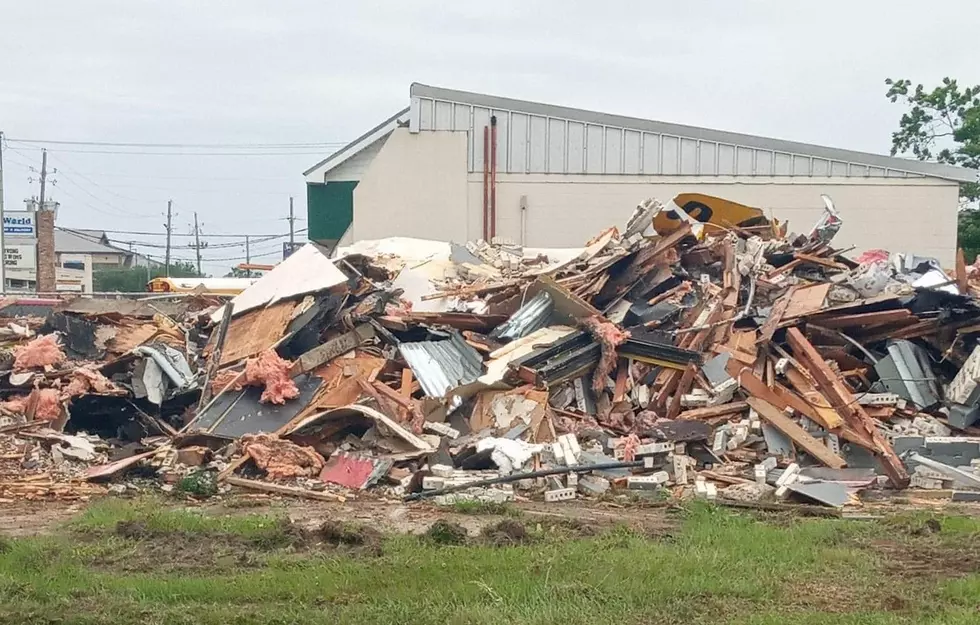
(19,223)
(19,260)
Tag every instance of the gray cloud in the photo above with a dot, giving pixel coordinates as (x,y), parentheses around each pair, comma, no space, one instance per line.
(299,71)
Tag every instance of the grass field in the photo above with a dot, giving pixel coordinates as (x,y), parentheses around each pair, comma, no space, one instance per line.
(121,563)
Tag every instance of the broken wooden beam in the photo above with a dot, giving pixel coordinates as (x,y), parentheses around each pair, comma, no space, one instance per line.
(798,435)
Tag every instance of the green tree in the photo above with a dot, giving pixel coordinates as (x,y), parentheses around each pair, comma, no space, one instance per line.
(134,279)
(236,273)
(943,125)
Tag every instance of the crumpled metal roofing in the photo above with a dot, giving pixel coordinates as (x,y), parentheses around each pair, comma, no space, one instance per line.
(441,366)
(530,317)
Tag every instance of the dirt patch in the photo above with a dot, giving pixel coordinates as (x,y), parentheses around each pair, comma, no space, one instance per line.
(506,533)
(928,558)
(445,532)
(352,536)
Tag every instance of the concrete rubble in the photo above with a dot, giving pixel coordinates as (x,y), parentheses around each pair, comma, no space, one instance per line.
(735,362)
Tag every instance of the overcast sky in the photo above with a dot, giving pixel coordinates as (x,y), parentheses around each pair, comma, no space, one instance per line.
(292,71)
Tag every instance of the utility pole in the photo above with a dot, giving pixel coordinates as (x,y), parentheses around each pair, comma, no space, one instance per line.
(197,244)
(3,248)
(170,216)
(44,174)
(248,258)
(291,221)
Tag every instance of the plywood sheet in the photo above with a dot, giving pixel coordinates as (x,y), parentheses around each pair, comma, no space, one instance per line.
(256,331)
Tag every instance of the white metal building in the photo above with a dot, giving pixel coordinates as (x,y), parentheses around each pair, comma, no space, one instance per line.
(563,174)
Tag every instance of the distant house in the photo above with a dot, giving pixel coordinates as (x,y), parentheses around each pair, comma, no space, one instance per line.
(96,243)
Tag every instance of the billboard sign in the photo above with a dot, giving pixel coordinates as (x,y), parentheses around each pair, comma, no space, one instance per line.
(19,223)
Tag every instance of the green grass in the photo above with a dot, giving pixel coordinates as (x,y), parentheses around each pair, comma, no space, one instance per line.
(716,567)
(484,508)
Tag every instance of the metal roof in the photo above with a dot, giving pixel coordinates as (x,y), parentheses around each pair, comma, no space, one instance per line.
(68,241)
(531,132)
(361,142)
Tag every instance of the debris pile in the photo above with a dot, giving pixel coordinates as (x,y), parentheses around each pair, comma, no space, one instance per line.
(722,357)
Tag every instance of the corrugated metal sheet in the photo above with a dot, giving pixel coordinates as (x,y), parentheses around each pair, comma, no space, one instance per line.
(441,366)
(541,138)
(531,316)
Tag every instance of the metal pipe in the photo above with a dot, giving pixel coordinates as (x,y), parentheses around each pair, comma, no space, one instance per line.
(493,176)
(486,182)
(516,477)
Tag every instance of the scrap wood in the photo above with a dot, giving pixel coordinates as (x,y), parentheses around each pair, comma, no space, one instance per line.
(710,412)
(324,353)
(829,418)
(816,260)
(417,418)
(776,316)
(845,403)
(798,435)
(879,318)
(279,489)
(683,387)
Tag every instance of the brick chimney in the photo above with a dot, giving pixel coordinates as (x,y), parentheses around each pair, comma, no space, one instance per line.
(46,280)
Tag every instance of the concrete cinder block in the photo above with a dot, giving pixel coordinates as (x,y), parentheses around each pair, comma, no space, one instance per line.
(928,483)
(769,463)
(433,482)
(593,486)
(442,470)
(560,494)
(760,474)
(441,429)
(647,482)
(654,448)
(680,464)
(571,480)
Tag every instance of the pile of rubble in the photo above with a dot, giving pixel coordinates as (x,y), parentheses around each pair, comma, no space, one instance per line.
(719,358)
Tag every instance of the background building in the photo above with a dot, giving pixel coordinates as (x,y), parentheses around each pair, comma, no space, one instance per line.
(563,174)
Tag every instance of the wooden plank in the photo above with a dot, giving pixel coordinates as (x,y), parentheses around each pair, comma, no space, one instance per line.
(686,381)
(845,404)
(806,301)
(754,386)
(710,412)
(406,388)
(322,354)
(829,418)
(255,331)
(865,319)
(775,316)
(797,434)
(962,282)
(816,260)
(279,489)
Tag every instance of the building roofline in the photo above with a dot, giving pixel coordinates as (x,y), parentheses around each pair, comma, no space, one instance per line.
(935,170)
(361,142)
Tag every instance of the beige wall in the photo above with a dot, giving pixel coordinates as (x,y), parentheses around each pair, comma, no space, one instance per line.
(898,214)
(418,186)
(415,187)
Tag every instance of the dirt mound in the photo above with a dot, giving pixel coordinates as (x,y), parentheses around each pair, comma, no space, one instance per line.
(507,532)
(446,533)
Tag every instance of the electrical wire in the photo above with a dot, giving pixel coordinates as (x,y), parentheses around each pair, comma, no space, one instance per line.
(315,144)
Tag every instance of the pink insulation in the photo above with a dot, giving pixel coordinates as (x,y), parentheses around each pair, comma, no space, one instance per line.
(88,381)
(269,370)
(48,404)
(610,337)
(17,404)
(280,458)
(225,377)
(42,352)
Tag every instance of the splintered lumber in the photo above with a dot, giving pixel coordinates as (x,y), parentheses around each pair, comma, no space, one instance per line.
(684,386)
(324,353)
(879,318)
(279,489)
(828,416)
(775,316)
(711,412)
(778,396)
(845,404)
(798,435)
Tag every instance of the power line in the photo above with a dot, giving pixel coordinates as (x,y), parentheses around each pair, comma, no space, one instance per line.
(313,144)
(190,234)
